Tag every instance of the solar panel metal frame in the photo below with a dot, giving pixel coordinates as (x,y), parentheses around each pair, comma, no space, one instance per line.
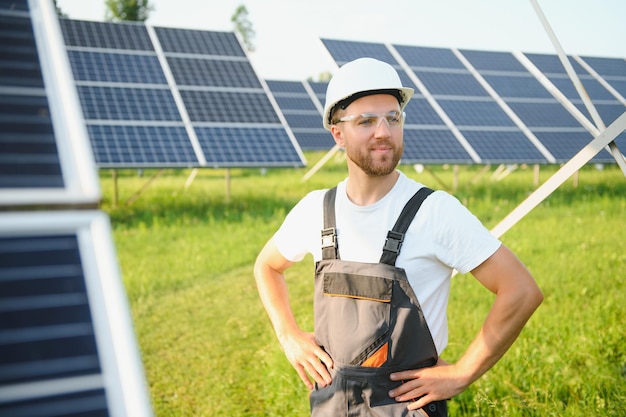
(121,375)
(80,180)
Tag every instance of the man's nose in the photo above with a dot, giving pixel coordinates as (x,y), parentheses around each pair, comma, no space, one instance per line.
(383,129)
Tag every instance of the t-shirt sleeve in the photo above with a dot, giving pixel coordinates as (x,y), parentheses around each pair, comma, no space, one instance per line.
(300,232)
(463,241)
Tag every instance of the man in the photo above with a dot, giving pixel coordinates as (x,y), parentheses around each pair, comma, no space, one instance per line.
(380,320)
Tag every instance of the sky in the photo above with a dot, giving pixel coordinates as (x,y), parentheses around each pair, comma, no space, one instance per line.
(288,32)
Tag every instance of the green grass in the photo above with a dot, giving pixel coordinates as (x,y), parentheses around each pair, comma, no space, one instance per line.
(208,349)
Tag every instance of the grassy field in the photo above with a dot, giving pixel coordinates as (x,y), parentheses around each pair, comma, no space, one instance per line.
(186,256)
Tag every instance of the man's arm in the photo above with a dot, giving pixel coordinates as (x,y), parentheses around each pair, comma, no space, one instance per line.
(304,354)
(517,297)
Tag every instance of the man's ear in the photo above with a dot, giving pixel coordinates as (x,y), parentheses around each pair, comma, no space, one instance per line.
(337,135)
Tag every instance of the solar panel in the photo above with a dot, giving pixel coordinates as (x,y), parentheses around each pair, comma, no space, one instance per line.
(197,42)
(451,84)
(432,146)
(493,145)
(64,326)
(608,105)
(134,145)
(100,35)
(302,104)
(116,68)
(477,117)
(43,157)
(593,88)
(344,51)
(486,106)
(475,112)
(422,58)
(199,91)
(608,68)
(67,346)
(531,102)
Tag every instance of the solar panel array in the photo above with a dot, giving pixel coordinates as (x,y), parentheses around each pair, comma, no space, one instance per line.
(34,165)
(67,346)
(490,107)
(165,97)
(303,108)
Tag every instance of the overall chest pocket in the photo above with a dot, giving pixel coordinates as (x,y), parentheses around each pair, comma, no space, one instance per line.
(357,314)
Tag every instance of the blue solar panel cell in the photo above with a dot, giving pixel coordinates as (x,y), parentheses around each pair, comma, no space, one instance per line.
(420,112)
(432,146)
(493,61)
(475,113)
(19,62)
(543,114)
(344,52)
(503,146)
(451,84)
(199,42)
(229,107)
(619,86)
(83,403)
(213,73)
(517,86)
(297,103)
(593,88)
(242,146)
(28,151)
(551,64)
(294,87)
(314,141)
(116,68)
(565,144)
(423,57)
(35,270)
(607,67)
(114,103)
(609,112)
(309,121)
(116,146)
(121,35)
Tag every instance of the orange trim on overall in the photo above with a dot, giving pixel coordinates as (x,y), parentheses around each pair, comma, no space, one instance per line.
(378,358)
(356,297)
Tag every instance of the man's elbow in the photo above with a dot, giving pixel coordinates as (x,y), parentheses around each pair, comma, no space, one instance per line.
(533,297)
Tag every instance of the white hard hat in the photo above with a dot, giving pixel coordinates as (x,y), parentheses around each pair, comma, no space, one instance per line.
(362,77)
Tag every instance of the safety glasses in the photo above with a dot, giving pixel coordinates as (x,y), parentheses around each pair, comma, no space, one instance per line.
(372,120)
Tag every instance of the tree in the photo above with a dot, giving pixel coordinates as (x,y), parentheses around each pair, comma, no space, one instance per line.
(244,27)
(133,10)
(58,10)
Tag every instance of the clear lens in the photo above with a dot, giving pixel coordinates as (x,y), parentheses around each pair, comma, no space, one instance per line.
(371,120)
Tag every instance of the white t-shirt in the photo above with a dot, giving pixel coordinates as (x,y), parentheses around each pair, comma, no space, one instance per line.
(443,236)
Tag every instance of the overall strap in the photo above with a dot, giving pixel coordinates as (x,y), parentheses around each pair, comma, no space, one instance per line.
(395,236)
(329,232)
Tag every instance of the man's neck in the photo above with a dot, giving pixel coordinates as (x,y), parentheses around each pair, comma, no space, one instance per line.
(364,190)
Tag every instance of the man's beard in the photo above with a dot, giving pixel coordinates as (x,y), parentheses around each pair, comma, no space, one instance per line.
(376,167)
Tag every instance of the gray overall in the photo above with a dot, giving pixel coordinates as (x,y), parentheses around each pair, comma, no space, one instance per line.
(369,321)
